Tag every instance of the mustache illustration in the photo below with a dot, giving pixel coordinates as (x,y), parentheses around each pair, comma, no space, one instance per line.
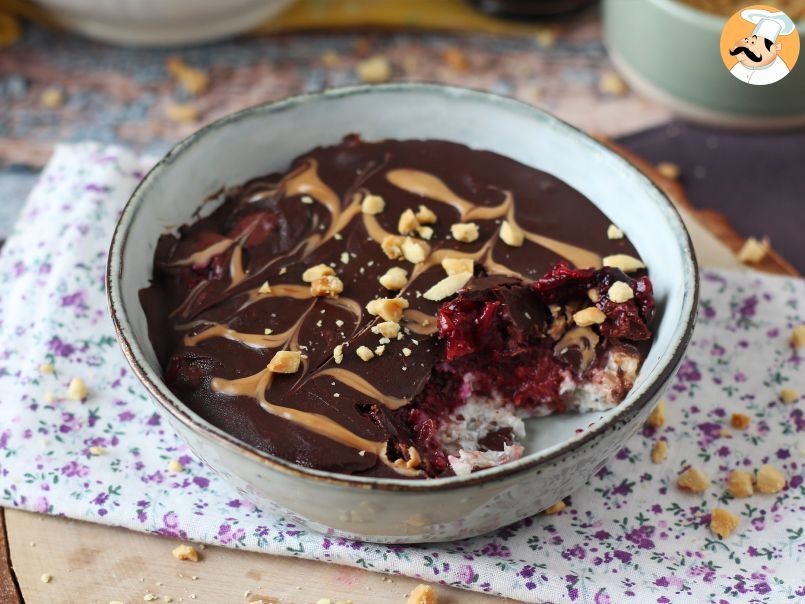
(743,49)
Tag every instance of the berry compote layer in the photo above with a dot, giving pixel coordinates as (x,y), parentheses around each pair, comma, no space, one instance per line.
(397,308)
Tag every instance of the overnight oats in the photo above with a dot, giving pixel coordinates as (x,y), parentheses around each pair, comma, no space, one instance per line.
(397,308)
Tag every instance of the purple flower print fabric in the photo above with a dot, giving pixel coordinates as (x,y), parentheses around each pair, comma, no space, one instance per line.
(629,536)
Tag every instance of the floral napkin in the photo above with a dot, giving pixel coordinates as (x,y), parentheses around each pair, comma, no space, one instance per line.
(629,536)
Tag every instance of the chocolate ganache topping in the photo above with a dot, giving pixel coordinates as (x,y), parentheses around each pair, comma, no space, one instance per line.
(331,315)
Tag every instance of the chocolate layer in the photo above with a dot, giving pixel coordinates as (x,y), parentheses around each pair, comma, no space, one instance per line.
(208,310)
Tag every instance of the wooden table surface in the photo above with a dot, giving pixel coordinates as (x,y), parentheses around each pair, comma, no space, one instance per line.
(125,96)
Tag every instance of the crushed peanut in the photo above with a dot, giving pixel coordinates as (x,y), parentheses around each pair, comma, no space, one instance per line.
(46,578)
(693,480)
(373,204)
(317,272)
(175,466)
(327,286)
(555,508)
(447,286)
(511,234)
(464,231)
(52,97)
(425,215)
(265,288)
(182,112)
(46,368)
(388,329)
(614,232)
(185,552)
(379,350)
(406,352)
(798,336)
(96,451)
(788,395)
(659,453)
(753,251)
(723,522)
(395,278)
(425,232)
(620,291)
(77,390)
(453,266)
(392,246)
(407,223)
(611,83)
(668,169)
(769,479)
(365,353)
(625,262)
(285,361)
(414,251)
(193,80)
(739,484)
(390,309)
(338,354)
(740,421)
(149,597)
(657,416)
(423,594)
(374,70)
(589,316)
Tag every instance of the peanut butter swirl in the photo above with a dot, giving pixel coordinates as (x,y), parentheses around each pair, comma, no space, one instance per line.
(229,290)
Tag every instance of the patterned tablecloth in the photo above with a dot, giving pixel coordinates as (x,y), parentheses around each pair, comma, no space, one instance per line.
(630,536)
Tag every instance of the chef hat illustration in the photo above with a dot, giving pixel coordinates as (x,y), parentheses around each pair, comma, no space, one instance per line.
(769,25)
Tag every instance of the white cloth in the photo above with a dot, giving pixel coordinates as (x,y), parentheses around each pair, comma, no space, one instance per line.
(760,76)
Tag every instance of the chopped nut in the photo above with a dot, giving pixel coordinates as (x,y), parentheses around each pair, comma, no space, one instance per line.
(149,597)
(628,264)
(555,508)
(365,353)
(657,416)
(395,278)
(392,246)
(406,352)
(668,169)
(425,215)
(317,272)
(423,594)
(413,251)
(338,354)
(511,234)
(447,286)
(52,97)
(753,251)
(589,316)
(659,453)
(388,329)
(322,601)
(464,231)
(693,480)
(614,232)
(739,484)
(344,258)
(611,83)
(77,390)
(175,466)
(374,70)
(265,288)
(723,522)
(453,266)
(46,578)
(182,112)
(620,291)
(390,309)
(327,286)
(185,552)
(798,336)
(285,361)
(96,451)
(740,421)
(593,295)
(425,232)
(407,223)
(788,395)
(373,204)
(769,479)
(379,350)
(46,368)
(268,331)
(193,80)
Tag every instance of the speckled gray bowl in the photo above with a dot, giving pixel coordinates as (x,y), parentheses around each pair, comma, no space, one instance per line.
(563,452)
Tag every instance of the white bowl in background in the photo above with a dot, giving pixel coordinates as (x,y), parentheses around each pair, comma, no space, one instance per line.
(563,451)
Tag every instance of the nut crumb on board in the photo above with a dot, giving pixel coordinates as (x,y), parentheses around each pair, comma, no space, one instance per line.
(185,552)
(423,594)
(753,250)
(669,170)
(723,522)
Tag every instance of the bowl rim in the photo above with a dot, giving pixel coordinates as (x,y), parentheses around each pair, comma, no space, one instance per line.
(179,411)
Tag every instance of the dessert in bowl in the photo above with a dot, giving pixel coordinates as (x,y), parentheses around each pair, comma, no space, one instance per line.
(356,328)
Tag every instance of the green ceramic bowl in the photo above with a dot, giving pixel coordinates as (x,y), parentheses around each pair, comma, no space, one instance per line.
(669,52)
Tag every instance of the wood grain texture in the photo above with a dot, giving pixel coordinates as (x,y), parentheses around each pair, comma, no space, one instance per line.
(9,592)
(98,564)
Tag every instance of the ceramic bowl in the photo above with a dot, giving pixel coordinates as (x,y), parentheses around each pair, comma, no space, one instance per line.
(563,451)
(669,52)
